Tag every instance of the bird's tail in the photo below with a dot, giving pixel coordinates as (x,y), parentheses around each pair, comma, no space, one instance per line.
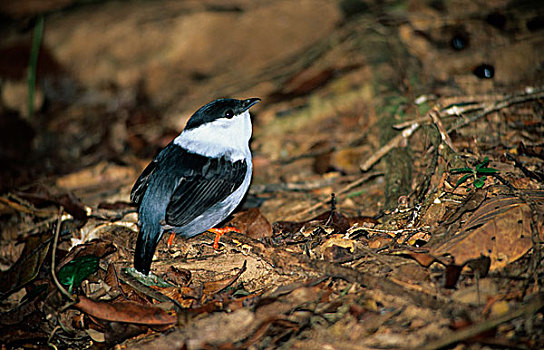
(148,239)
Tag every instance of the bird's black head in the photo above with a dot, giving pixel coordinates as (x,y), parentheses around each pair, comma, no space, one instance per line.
(226,108)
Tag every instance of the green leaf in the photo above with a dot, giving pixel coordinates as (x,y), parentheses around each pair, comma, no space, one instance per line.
(463,179)
(480,182)
(461,170)
(487,171)
(77,270)
(482,164)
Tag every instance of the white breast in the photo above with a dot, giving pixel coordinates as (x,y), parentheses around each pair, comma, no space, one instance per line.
(220,137)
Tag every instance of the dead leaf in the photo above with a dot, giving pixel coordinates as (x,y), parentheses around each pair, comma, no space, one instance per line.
(213,287)
(363,221)
(32,302)
(499,229)
(252,223)
(336,253)
(40,196)
(423,258)
(471,202)
(531,150)
(287,298)
(338,240)
(452,274)
(98,248)
(26,268)
(337,221)
(336,248)
(24,9)
(178,276)
(112,278)
(95,335)
(286,227)
(499,308)
(125,311)
(480,266)
(379,241)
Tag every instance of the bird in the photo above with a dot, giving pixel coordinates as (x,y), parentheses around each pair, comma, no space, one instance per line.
(197,180)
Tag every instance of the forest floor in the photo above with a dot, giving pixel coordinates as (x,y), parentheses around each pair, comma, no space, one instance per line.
(397,198)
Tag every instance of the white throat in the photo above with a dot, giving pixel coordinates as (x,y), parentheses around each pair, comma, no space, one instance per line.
(219,137)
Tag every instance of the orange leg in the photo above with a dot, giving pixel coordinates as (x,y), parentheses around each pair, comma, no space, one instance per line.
(220,232)
(171,239)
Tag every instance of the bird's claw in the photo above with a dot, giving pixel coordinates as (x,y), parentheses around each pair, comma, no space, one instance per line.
(220,232)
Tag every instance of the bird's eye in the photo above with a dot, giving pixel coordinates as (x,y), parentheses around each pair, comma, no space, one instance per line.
(229,113)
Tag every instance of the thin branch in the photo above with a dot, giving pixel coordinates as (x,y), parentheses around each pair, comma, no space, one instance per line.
(435,116)
(54,254)
(497,106)
(339,193)
(394,142)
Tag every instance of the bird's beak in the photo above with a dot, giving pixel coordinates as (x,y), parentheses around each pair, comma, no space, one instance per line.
(250,102)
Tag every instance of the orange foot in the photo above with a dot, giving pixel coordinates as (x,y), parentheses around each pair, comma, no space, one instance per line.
(220,232)
(171,239)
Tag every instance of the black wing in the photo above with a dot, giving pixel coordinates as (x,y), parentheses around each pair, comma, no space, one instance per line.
(171,162)
(214,181)
(160,161)
(141,184)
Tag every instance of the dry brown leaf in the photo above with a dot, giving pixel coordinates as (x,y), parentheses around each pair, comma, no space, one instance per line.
(125,311)
(27,267)
(96,247)
(337,248)
(499,229)
(252,223)
(423,258)
(379,242)
(338,240)
(178,276)
(41,196)
(213,287)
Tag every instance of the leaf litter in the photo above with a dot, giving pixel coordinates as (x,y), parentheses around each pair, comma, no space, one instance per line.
(354,235)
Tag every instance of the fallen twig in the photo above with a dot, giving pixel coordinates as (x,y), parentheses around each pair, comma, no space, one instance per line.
(394,142)
(53,254)
(338,193)
(435,116)
(292,186)
(462,105)
(42,213)
(496,106)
